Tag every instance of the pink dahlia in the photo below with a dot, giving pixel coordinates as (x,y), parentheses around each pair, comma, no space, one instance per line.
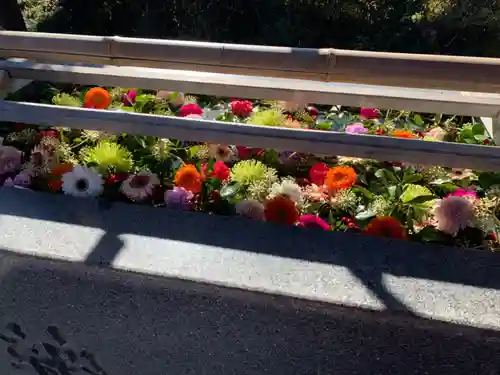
(313,221)
(453,213)
(190,109)
(241,108)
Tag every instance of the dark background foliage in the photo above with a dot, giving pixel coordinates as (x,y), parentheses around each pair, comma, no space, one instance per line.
(462,27)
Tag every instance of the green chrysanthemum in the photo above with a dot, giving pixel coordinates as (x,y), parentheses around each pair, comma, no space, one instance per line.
(66,100)
(108,157)
(268,118)
(247,172)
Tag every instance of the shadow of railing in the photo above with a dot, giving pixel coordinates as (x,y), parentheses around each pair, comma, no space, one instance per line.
(136,323)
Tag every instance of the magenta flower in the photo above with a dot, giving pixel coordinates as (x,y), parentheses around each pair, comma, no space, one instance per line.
(463,193)
(128,99)
(369,113)
(313,221)
(356,128)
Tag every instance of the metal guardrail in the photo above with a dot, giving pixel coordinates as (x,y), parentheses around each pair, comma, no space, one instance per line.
(325,64)
(78,59)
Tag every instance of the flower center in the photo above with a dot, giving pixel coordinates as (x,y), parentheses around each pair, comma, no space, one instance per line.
(139,182)
(82,184)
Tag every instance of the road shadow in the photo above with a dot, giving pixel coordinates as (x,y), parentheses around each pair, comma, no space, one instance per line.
(149,325)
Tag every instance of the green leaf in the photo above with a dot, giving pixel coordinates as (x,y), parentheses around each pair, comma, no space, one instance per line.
(230,190)
(324,126)
(413,177)
(478,129)
(418,120)
(488,179)
(413,192)
(431,234)
(392,190)
(480,137)
(363,191)
(386,175)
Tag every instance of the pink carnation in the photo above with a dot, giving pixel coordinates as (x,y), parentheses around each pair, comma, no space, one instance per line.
(190,109)
(313,221)
(453,213)
(463,193)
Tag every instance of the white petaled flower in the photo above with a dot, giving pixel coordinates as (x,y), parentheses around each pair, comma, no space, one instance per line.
(140,186)
(250,208)
(287,187)
(82,182)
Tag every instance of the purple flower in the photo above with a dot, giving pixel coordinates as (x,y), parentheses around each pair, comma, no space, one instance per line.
(178,198)
(24,179)
(356,128)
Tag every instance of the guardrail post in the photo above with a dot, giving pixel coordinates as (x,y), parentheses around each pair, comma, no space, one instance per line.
(492,125)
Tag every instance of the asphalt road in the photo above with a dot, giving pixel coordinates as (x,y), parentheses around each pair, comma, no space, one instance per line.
(137,325)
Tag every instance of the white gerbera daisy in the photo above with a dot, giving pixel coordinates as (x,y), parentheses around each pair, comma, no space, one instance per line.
(138,187)
(287,187)
(82,182)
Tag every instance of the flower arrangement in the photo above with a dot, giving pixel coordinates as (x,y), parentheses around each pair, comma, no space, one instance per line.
(316,192)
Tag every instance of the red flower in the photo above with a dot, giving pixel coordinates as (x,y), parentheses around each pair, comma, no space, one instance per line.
(246,152)
(386,226)
(241,108)
(220,171)
(369,113)
(190,109)
(313,111)
(19,127)
(118,177)
(317,173)
(49,133)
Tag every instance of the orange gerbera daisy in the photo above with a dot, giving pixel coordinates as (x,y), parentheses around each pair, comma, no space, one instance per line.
(340,177)
(403,134)
(55,181)
(188,178)
(386,226)
(282,210)
(97,98)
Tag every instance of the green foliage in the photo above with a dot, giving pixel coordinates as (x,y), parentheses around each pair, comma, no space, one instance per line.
(469,27)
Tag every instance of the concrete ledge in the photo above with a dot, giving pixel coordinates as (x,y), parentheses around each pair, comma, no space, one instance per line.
(443,284)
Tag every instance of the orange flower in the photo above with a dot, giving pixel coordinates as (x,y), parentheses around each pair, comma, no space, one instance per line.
(281,210)
(189,178)
(341,177)
(97,98)
(55,181)
(403,134)
(386,226)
